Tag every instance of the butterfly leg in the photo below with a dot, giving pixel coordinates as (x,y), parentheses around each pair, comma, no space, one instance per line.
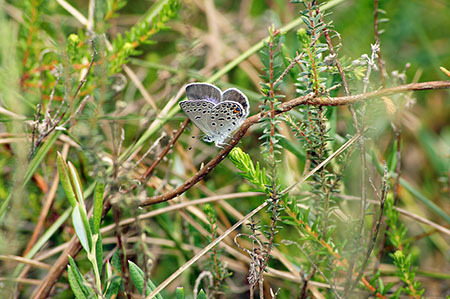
(221,144)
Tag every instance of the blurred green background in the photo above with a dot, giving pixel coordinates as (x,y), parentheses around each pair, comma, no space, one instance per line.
(204,37)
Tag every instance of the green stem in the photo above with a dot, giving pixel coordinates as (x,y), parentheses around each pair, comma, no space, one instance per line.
(92,256)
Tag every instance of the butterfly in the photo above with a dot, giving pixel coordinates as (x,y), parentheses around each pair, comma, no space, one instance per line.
(215,113)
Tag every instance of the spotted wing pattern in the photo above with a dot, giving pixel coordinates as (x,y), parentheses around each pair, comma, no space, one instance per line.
(235,95)
(224,119)
(217,114)
(199,112)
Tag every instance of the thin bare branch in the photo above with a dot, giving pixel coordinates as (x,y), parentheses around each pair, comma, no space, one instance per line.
(310,99)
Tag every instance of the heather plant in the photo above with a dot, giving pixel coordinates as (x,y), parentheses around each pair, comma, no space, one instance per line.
(335,186)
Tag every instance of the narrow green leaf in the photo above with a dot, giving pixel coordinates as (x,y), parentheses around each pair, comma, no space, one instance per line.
(75,284)
(98,206)
(87,225)
(150,287)
(137,276)
(43,240)
(392,157)
(4,206)
(435,149)
(76,183)
(40,155)
(80,228)
(113,288)
(294,149)
(99,253)
(115,262)
(179,293)
(80,279)
(31,169)
(63,172)
(201,295)
(431,205)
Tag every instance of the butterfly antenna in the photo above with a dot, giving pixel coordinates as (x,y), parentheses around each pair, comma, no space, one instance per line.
(195,143)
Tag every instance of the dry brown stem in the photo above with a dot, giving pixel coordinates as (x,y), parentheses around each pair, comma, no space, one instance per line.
(310,99)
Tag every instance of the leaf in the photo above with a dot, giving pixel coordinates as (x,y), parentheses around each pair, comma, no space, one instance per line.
(76,183)
(435,149)
(298,151)
(40,155)
(113,287)
(201,295)
(63,172)
(179,293)
(74,284)
(137,276)
(115,262)
(99,253)
(392,157)
(82,283)
(80,228)
(98,206)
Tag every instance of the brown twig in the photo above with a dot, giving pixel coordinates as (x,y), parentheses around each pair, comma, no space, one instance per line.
(58,267)
(164,152)
(74,245)
(310,99)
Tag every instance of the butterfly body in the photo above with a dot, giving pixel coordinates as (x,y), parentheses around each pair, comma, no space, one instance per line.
(215,113)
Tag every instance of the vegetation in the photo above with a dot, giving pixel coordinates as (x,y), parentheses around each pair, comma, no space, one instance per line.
(336,185)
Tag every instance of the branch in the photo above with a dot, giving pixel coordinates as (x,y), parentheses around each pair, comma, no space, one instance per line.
(310,99)
(74,246)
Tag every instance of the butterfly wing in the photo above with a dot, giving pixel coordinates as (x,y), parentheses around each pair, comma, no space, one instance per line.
(199,112)
(235,95)
(203,91)
(216,114)
(225,118)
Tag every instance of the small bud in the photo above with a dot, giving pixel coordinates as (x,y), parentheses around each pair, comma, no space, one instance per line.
(74,39)
(303,36)
(127,47)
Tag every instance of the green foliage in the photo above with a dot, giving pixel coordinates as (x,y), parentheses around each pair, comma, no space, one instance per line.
(179,293)
(216,267)
(402,257)
(98,207)
(311,125)
(66,181)
(138,278)
(125,46)
(270,57)
(201,295)
(397,230)
(113,6)
(407,274)
(63,89)
(86,229)
(77,282)
(254,175)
